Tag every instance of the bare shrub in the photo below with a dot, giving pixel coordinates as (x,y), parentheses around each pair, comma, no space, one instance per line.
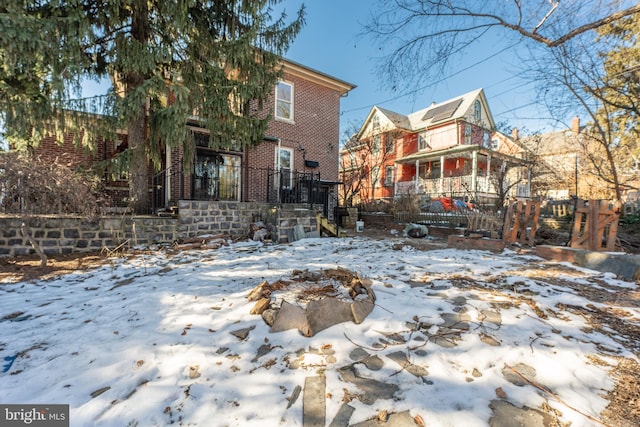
(30,186)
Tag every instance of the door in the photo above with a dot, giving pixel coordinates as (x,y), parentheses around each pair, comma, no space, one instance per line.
(216,176)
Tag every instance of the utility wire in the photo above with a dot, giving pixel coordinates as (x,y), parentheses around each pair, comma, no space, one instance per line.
(433,83)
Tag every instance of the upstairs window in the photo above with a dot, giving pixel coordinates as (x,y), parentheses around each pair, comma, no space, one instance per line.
(388,176)
(375,145)
(375,122)
(284,101)
(423,141)
(477,111)
(467,134)
(389,143)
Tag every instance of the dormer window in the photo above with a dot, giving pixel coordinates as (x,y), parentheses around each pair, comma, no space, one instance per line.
(284,101)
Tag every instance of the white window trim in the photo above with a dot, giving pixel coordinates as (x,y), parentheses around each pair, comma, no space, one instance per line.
(425,136)
(278,166)
(291,104)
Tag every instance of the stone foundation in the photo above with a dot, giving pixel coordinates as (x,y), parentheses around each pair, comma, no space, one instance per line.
(62,235)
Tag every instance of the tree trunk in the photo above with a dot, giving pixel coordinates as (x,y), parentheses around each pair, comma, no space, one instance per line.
(137,138)
(138,172)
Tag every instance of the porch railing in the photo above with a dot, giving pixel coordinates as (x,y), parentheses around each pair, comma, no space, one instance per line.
(235,184)
(455,185)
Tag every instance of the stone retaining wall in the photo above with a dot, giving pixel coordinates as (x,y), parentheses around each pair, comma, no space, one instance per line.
(61,235)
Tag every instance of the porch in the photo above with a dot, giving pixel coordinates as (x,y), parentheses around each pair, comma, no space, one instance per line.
(456,187)
(229,184)
(467,172)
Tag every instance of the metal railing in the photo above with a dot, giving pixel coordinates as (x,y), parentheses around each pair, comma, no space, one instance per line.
(229,184)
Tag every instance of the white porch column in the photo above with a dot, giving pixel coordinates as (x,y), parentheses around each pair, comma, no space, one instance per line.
(417,176)
(474,173)
(441,184)
(488,185)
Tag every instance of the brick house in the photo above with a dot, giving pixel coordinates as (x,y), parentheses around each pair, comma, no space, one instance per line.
(295,163)
(449,148)
(564,170)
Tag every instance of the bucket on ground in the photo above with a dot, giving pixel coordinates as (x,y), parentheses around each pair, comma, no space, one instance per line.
(359,226)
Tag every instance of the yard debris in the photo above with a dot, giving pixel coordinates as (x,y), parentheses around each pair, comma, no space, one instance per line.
(261,306)
(243,333)
(194,372)
(417,231)
(207,241)
(313,300)
(259,231)
(294,396)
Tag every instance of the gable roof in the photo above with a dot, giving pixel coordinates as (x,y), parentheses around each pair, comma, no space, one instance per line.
(400,120)
(452,109)
(449,110)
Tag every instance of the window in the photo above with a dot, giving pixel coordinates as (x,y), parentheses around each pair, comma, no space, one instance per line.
(284,167)
(389,143)
(436,171)
(423,141)
(375,146)
(495,144)
(284,101)
(375,176)
(477,110)
(375,122)
(467,133)
(216,176)
(388,176)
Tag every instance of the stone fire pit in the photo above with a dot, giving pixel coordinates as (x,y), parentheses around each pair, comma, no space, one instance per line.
(313,300)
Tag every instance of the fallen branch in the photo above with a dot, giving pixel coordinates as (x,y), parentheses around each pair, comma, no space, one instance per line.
(26,232)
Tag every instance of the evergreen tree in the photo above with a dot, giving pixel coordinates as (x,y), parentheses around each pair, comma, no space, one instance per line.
(168,60)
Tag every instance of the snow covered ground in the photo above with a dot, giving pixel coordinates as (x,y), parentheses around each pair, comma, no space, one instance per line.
(150,340)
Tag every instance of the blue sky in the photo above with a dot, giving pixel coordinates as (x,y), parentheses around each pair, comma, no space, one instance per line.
(332,42)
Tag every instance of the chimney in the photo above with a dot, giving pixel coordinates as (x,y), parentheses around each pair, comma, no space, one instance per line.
(575,124)
(515,134)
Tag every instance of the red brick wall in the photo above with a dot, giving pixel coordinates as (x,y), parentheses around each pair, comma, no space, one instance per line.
(316,129)
(315,132)
(69,152)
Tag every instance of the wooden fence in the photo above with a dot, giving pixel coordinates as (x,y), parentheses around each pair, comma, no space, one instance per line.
(595,226)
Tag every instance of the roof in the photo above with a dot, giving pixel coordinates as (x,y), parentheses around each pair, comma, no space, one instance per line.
(442,112)
(400,120)
(316,76)
(455,151)
(553,143)
(451,109)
